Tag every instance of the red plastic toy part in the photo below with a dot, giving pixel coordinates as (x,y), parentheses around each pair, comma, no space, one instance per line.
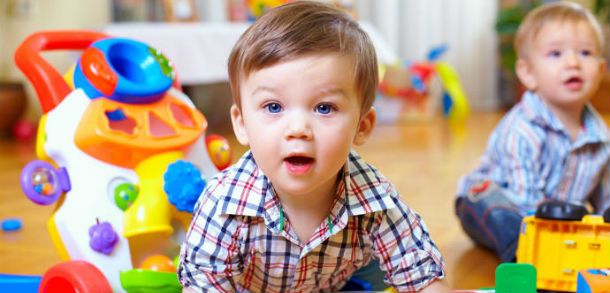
(49,84)
(74,276)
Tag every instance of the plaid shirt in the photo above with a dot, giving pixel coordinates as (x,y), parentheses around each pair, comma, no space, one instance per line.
(532,155)
(235,243)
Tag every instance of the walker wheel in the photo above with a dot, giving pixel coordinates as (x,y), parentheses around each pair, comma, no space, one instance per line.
(74,276)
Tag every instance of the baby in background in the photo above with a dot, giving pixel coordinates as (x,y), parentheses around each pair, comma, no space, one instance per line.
(552,144)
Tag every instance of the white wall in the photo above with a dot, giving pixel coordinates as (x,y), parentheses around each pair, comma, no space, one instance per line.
(412,27)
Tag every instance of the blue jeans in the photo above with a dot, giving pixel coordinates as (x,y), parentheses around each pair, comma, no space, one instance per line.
(491,220)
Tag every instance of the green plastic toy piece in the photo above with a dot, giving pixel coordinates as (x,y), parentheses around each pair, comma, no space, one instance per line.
(145,281)
(515,278)
(125,194)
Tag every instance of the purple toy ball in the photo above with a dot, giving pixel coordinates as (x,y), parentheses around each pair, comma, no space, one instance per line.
(42,183)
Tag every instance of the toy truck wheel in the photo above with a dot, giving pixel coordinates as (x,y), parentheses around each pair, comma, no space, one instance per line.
(607,215)
(561,210)
(74,276)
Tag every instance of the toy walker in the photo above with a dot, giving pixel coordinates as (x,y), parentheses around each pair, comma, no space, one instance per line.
(110,128)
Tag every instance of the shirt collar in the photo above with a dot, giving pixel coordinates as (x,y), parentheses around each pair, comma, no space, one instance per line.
(536,111)
(248,192)
(364,188)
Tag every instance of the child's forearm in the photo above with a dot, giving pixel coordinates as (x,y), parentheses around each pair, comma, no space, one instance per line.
(436,287)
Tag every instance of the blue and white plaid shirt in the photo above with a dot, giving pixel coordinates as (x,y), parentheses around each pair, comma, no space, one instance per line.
(532,155)
(235,242)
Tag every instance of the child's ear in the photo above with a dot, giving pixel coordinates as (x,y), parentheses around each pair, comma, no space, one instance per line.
(238,125)
(525,74)
(365,127)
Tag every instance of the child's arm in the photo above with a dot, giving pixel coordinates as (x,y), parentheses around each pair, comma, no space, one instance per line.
(601,195)
(515,152)
(209,261)
(406,251)
(436,286)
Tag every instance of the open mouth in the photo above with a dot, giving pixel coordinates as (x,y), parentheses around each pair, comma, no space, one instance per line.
(298,164)
(574,83)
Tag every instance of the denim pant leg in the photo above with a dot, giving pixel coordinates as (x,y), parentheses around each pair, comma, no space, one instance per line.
(491,220)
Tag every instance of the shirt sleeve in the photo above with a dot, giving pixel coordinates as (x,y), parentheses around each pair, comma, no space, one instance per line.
(601,196)
(405,250)
(210,253)
(516,157)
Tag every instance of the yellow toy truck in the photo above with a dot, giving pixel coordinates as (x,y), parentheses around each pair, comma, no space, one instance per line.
(560,240)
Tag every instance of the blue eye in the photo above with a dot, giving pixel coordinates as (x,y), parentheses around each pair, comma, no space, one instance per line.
(324,108)
(585,53)
(273,107)
(555,53)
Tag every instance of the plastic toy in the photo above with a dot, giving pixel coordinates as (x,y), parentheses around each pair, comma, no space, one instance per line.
(561,240)
(510,278)
(593,281)
(515,278)
(455,104)
(256,8)
(412,82)
(158,263)
(110,128)
(17,283)
(9,225)
(219,150)
(24,130)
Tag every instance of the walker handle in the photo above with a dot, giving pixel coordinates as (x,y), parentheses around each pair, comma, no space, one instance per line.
(49,84)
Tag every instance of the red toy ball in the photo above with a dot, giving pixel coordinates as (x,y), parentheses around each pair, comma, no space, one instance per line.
(24,130)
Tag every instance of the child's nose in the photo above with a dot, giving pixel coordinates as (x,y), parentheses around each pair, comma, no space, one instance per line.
(298,126)
(572,59)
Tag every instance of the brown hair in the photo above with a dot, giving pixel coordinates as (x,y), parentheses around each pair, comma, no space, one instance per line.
(302,28)
(562,11)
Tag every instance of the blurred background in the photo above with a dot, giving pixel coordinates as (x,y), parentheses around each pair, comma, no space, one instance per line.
(476,33)
(442,61)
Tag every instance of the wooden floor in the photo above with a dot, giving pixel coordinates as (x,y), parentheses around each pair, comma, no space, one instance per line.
(424,160)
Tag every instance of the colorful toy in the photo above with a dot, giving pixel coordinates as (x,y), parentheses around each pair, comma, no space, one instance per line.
(515,278)
(9,225)
(158,263)
(561,240)
(455,104)
(412,82)
(256,8)
(18,283)
(110,129)
(219,150)
(593,281)
(24,130)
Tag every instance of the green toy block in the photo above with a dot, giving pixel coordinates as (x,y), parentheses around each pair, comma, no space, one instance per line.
(515,278)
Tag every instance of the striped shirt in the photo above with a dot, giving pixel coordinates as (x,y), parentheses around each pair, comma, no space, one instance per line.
(237,243)
(532,155)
